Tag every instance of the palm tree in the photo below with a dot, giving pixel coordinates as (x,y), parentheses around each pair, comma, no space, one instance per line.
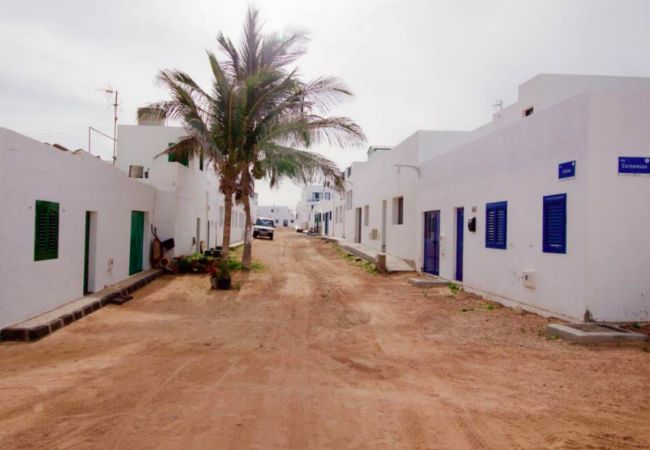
(257,119)
(281,115)
(211,128)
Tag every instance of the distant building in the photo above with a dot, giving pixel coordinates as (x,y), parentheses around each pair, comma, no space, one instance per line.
(281,215)
(308,215)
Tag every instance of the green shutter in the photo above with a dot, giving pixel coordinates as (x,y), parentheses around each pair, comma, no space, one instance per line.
(46,231)
(182,159)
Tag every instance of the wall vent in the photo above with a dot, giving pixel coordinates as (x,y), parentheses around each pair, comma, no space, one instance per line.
(136,171)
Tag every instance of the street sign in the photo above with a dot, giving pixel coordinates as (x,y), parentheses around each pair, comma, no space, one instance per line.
(634,165)
(567,170)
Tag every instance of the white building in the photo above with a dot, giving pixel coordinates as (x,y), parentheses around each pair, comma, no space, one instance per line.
(76,225)
(308,213)
(282,216)
(189,206)
(573,245)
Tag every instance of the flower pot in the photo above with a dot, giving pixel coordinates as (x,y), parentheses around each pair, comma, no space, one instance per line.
(223,283)
(214,282)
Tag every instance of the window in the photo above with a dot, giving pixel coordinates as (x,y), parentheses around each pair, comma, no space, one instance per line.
(327,195)
(201,161)
(398,211)
(496,225)
(46,234)
(349,171)
(554,224)
(182,159)
(366,213)
(348,200)
(221,215)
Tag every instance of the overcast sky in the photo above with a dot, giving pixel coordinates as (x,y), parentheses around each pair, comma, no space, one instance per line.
(412,64)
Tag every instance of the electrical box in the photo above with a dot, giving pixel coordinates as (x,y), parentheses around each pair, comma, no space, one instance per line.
(528,278)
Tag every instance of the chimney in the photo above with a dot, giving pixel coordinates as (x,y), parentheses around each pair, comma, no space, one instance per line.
(150,116)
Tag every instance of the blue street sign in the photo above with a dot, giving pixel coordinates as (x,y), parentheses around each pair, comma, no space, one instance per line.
(634,164)
(567,170)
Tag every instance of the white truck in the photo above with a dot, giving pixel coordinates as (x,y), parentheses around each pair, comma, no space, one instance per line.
(263,227)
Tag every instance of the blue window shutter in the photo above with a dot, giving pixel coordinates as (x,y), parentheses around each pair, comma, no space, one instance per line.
(496,225)
(554,226)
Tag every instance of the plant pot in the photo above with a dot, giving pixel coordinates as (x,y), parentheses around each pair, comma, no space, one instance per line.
(223,283)
(214,282)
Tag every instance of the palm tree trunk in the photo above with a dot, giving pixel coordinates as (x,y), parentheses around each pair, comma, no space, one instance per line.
(247,256)
(227,215)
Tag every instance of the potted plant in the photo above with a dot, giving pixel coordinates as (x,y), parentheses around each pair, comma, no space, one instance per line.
(221,278)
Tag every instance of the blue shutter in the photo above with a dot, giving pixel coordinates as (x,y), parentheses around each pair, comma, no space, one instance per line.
(554,226)
(496,225)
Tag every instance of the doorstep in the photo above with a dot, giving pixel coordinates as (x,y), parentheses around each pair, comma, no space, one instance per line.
(592,333)
(47,323)
(428,282)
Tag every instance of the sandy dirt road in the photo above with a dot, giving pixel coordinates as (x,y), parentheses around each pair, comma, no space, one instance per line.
(313,352)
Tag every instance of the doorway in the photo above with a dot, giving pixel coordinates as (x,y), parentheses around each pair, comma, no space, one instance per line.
(89,252)
(432,242)
(384,211)
(357,225)
(198,235)
(460,236)
(137,242)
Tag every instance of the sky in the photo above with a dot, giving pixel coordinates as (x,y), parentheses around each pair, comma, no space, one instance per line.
(412,64)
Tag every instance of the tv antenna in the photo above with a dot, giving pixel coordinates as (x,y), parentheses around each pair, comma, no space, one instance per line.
(109,91)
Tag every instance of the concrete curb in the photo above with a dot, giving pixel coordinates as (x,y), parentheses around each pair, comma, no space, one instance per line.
(47,323)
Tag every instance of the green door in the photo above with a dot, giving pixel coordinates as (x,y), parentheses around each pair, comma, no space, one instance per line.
(137,242)
(86,252)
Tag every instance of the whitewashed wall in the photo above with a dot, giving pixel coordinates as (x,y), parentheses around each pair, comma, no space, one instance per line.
(184,194)
(386,176)
(517,164)
(618,230)
(592,120)
(30,171)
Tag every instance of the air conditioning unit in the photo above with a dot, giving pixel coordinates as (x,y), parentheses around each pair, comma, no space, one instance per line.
(136,171)
(374,234)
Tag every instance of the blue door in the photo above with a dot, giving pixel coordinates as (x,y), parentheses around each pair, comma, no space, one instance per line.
(432,242)
(460,230)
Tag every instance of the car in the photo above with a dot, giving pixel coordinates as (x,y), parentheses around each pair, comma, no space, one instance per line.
(264,227)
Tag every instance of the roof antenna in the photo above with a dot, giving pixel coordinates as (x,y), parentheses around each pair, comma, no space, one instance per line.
(109,91)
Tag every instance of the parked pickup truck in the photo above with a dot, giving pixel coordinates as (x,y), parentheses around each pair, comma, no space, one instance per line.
(263,227)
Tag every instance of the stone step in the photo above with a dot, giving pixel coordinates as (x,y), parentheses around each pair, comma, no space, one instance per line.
(428,282)
(592,333)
